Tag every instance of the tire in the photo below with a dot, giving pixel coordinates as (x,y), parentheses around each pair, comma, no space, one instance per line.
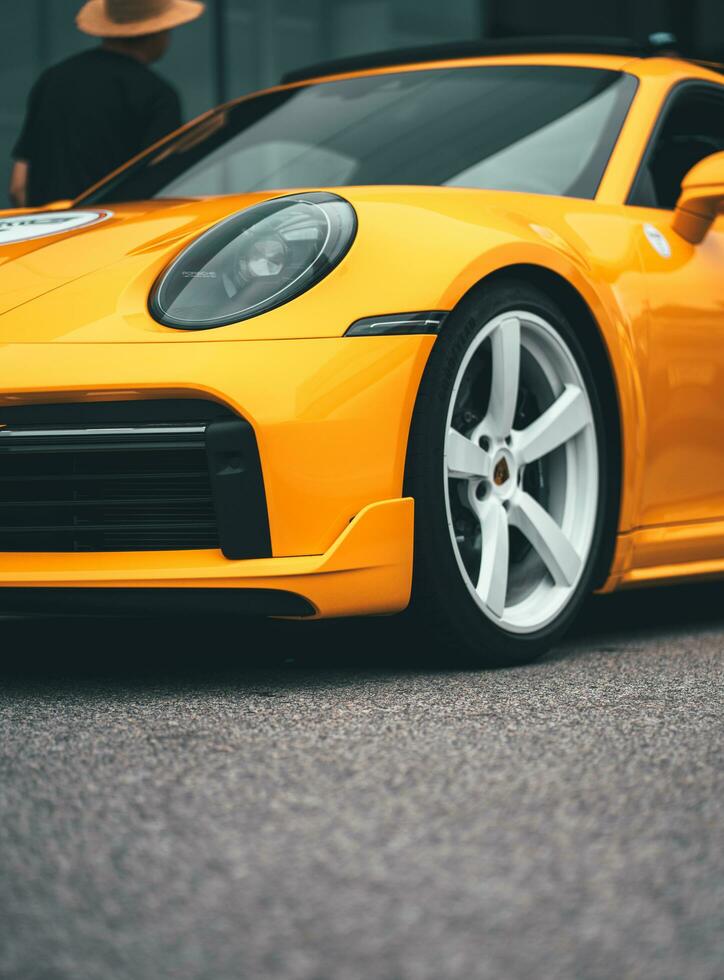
(505,464)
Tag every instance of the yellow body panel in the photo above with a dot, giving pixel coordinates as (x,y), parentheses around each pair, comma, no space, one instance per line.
(332,414)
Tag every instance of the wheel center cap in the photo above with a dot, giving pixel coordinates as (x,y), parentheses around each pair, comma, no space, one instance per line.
(501,473)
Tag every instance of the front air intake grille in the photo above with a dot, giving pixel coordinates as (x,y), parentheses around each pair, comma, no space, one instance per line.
(106,488)
(159,474)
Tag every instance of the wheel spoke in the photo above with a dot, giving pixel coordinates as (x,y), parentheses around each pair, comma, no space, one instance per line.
(565,418)
(465,460)
(493,578)
(546,537)
(505,344)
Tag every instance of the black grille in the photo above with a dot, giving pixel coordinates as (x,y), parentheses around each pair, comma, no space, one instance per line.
(106,488)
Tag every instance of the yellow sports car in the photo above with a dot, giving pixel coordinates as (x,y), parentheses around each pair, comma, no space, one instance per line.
(447,324)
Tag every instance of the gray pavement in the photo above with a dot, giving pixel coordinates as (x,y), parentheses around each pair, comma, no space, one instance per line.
(179,801)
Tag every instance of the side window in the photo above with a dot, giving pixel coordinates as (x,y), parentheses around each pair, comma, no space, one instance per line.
(692,127)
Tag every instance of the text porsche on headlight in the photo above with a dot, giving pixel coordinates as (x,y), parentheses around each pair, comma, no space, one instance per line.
(254,261)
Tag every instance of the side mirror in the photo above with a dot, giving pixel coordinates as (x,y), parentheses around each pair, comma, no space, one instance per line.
(701,198)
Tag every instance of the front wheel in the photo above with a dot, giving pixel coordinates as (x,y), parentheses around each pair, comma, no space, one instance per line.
(506,457)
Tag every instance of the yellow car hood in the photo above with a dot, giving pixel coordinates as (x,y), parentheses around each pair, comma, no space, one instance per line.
(417,248)
(32,268)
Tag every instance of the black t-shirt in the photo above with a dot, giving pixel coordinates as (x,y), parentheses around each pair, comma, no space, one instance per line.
(86,117)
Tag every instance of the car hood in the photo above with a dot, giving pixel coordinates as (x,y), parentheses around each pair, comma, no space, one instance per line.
(417,248)
(64,247)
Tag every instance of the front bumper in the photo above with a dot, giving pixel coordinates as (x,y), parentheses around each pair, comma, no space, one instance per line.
(367,570)
(331,418)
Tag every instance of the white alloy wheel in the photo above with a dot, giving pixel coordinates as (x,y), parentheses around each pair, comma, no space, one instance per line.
(521,471)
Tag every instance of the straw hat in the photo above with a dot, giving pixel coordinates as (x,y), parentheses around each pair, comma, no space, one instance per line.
(132,18)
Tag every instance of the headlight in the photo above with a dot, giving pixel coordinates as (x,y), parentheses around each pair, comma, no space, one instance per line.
(254,261)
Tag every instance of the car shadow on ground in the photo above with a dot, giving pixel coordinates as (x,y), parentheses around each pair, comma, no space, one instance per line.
(194,650)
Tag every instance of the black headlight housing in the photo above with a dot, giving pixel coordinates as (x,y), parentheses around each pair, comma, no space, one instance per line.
(254,261)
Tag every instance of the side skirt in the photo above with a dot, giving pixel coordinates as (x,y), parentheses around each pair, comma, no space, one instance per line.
(667,553)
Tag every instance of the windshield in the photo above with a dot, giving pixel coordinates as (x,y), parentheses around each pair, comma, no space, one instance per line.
(544,129)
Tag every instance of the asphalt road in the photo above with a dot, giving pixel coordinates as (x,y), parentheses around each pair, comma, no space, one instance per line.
(181,802)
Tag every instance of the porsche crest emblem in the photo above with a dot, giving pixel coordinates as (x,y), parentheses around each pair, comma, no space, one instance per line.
(501,473)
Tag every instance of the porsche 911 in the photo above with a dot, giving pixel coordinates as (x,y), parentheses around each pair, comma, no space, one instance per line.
(438,329)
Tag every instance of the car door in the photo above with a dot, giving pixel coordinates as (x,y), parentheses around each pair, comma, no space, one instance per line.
(683,472)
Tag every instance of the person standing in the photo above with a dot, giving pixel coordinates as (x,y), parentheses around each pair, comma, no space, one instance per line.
(89,114)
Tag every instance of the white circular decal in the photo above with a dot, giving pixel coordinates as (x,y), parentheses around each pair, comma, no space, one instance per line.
(23,227)
(658,241)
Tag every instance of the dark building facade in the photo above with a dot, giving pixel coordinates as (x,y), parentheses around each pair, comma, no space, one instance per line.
(698,24)
(241,45)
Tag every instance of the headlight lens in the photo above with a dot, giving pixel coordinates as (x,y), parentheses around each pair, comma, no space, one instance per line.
(254,261)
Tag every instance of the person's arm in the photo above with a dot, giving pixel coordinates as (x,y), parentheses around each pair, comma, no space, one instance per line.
(19,183)
(23,152)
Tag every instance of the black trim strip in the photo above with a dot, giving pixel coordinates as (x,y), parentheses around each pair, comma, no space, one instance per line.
(150,601)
